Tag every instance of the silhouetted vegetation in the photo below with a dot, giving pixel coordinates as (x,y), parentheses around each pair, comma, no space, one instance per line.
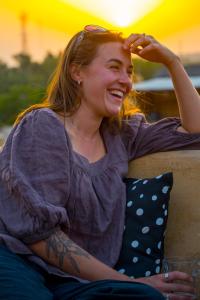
(145,70)
(23,85)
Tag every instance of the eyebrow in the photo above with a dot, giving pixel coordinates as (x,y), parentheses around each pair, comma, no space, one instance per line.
(119,62)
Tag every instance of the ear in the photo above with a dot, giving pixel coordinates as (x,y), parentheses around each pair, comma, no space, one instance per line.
(75,72)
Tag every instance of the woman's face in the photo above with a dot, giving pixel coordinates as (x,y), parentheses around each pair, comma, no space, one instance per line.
(106,81)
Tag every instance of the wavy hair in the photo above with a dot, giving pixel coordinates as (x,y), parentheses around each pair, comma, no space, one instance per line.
(63,93)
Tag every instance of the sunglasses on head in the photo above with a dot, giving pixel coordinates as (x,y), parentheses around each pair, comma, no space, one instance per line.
(89,28)
(94,28)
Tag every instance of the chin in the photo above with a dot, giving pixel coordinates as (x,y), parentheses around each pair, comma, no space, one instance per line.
(114,111)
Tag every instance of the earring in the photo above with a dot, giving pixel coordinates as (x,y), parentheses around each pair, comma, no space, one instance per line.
(79,82)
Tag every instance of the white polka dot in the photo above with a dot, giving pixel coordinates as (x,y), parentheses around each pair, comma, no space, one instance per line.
(159,176)
(134,187)
(157,270)
(165,212)
(136,181)
(139,212)
(159,221)
(141,196)
(130,203)
(135,244)
(145,181)
(132,277)
(157,261)
(165,189)
(145,229)
(148,251)
(154,198)
(159,245)
(147,273)
(163,206)
(135,259)
(121,271)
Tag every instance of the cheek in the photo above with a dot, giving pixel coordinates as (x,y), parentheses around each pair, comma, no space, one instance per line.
(95,83)
(130,86)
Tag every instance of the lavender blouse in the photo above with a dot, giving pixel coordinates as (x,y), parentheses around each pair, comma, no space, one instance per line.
(45,185)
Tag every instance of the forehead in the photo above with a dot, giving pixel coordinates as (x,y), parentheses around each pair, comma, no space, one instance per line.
(113,50)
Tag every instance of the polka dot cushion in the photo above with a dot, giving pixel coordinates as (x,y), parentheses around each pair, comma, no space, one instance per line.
(146,218)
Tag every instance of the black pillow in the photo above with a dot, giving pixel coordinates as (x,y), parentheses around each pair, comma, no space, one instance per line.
(146,219)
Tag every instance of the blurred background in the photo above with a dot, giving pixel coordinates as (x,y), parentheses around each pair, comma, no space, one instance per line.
(33,34)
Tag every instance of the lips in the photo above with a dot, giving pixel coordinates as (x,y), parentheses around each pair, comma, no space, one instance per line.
(117,93)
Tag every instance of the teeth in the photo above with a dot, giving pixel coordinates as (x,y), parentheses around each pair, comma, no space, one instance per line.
(117,93)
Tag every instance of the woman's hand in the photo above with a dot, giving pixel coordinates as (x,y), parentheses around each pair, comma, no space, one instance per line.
(167,284)
(148,48)
(188,98)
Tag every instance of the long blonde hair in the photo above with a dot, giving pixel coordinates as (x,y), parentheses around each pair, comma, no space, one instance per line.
(63,93)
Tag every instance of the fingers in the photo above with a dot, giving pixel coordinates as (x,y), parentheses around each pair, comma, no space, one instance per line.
(138,40)
(147,49)
(174,285)
(178,286)
(130,40)
(176,275)
(172,296)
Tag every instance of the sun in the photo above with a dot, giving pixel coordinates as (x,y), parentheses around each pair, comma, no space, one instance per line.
(123,21)
(120,13)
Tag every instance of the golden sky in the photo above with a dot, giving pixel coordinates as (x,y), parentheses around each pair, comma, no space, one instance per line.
(50,23)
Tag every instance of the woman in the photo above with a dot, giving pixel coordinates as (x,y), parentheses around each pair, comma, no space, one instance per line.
(60,232)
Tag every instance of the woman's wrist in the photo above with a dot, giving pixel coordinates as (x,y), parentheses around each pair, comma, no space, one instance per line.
(172,62)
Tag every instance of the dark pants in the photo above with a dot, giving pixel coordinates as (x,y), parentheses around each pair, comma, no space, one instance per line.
(22,280)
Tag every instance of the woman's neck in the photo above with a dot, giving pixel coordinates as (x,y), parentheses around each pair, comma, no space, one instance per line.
(85,136)
(83,125)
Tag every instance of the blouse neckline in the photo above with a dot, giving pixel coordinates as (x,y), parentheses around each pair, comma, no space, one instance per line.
(81,157)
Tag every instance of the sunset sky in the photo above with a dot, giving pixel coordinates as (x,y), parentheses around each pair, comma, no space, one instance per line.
(50,23)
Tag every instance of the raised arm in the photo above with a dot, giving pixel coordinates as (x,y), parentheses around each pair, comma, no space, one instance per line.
(188,98)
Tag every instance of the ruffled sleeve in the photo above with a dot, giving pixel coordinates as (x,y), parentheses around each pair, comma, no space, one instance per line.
(142,138)
(34,177)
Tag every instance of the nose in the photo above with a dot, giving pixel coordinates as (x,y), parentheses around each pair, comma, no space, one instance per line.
(125,79)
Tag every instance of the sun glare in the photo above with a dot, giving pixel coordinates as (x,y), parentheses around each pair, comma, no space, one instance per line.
(119,13)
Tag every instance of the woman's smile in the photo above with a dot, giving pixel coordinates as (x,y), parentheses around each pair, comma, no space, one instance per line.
(105,90)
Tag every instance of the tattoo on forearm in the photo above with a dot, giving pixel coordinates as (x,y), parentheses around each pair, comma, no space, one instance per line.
(62,247)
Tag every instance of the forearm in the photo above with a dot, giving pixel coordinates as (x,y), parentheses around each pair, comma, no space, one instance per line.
(60,251)
(187,97)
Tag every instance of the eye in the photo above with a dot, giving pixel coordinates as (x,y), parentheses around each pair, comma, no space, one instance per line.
(130,73)
(114,67)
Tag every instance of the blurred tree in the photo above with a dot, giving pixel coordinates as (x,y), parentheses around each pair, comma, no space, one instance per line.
(23,61)
(145,70)
(23,85)
(18,98)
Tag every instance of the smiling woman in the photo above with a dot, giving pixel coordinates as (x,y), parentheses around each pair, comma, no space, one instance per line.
(63,198)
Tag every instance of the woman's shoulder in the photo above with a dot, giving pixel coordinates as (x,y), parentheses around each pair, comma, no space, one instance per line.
(41,114)
(132,123)
(38,124)
(137,117)
(40,119)
(120,125)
